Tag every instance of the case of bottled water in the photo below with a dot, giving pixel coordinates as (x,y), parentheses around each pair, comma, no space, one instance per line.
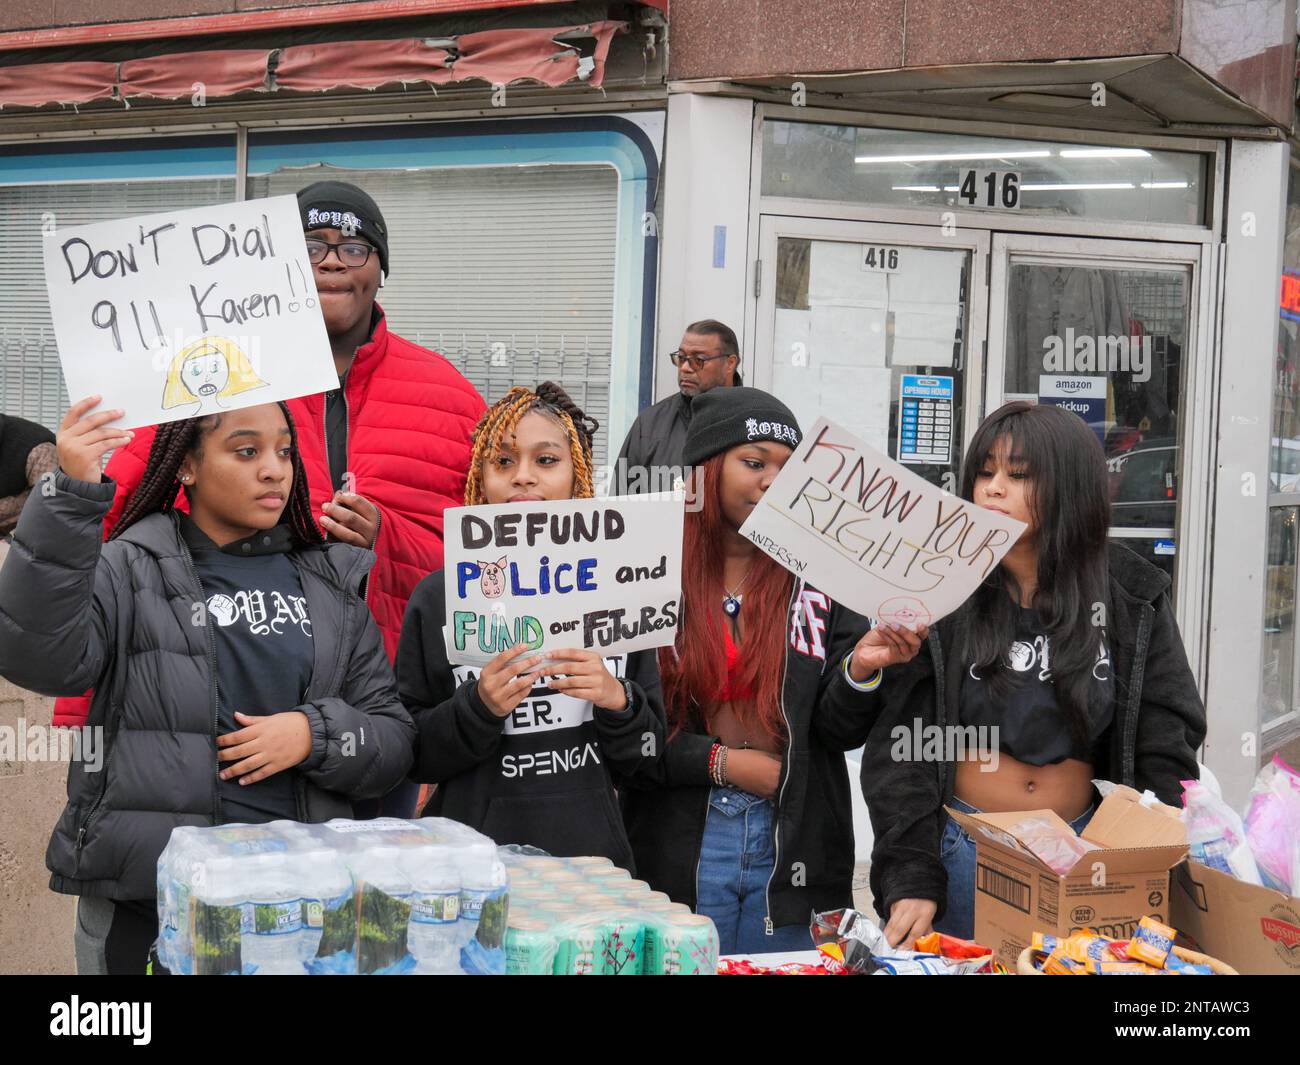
(372,897)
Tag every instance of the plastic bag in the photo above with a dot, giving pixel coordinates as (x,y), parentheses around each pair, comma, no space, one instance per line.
(1105,787)
(1273,826)
(1215,835)
(1054,844)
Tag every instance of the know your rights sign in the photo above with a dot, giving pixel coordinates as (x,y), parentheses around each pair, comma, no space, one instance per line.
(874,535)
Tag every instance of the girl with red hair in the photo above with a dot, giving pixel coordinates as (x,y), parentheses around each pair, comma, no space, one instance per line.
(768,684)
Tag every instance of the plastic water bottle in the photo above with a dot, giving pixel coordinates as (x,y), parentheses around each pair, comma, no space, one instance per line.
(483,881)
(376,868)
(435,908)
(181,873)
(217,888)
(271,928)
(326,887)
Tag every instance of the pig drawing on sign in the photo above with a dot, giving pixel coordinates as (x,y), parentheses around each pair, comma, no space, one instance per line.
(905,611)
(494,581)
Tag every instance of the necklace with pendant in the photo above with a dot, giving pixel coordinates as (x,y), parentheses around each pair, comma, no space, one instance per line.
(732,600)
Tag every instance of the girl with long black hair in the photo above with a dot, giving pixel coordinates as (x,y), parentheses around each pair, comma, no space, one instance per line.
(238,674)
(1066,665)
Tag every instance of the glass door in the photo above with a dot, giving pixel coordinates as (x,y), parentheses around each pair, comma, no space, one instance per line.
(880,328)
(1106,329)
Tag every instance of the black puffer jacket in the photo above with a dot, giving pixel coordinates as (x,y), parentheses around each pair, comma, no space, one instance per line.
(120,618)
(1159,724)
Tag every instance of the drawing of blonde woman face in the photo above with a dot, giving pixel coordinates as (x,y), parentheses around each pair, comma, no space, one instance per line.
(205,373)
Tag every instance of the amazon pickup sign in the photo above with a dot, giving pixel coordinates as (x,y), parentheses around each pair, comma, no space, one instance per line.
(600,574)
(874,535)
(191,312)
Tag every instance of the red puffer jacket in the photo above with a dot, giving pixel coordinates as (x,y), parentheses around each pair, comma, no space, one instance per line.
(411,418)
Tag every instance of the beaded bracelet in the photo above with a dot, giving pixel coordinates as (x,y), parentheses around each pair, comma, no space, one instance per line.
(718,765)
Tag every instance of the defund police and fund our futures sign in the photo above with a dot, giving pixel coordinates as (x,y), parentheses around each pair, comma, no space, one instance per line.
(599,574)
(872,534)
(186,313)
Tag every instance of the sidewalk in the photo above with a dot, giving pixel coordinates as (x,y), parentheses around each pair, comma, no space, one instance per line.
(35,923)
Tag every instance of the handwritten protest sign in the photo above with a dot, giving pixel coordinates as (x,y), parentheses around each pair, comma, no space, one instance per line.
(189,312)
(600,574)
(874,535)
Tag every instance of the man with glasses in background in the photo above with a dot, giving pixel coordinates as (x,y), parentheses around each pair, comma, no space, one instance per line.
(708,357)
(385,452)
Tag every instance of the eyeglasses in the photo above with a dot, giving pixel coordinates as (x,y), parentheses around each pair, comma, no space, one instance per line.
(350,252)
(697,361)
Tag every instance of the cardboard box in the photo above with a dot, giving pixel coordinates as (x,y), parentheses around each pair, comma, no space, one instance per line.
(1108,890)
(1254,929)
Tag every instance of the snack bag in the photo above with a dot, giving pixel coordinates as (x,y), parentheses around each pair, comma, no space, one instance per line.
(1152,942)
(1273,826)
(1119,948)
(1215,835)
(1174,964)
(1086,946)
(849,942)
(929,965)
(1056,845)
(1057,964)
(1123,968)
(950,946)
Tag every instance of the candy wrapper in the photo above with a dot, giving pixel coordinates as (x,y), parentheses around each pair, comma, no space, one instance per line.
(850,943)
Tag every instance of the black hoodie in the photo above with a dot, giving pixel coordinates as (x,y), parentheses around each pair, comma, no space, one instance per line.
(1159,724)
(543,774)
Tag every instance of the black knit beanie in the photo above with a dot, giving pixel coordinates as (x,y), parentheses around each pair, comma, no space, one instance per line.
(339,205)
(722,418)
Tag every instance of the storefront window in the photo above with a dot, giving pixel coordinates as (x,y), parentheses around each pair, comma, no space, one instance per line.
(873,337)
(907,168)
(1107,342)
(31,380)
(1281,699)
(508,272)
(1279,614)
(517,246)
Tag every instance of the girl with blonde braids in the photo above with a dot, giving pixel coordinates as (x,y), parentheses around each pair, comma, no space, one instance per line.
(523,751)
(499,422)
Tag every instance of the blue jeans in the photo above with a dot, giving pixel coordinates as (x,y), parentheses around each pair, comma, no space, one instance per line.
(957,852)
(400,802)
(737,855)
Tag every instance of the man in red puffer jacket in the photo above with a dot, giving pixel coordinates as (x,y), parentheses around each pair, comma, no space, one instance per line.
(387,451)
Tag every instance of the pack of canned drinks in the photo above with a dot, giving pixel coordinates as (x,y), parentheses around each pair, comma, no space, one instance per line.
(347,897)
(588,917)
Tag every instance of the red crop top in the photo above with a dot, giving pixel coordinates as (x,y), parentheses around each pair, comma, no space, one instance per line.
(731,689)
